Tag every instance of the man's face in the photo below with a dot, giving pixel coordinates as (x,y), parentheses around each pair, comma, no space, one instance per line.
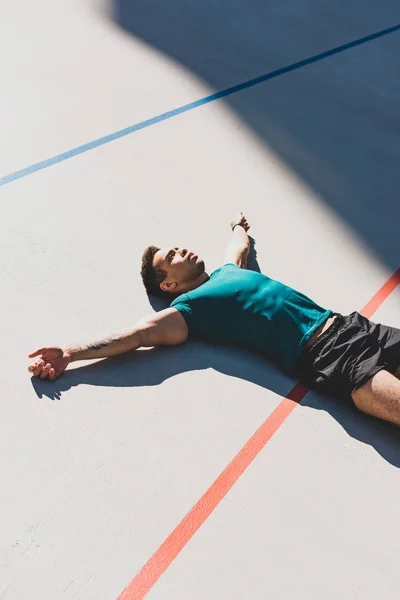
(183,267)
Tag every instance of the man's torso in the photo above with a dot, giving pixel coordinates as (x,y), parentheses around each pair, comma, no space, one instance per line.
(249,309)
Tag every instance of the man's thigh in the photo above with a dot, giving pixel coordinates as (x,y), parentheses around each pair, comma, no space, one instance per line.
(389,340)
(380,397)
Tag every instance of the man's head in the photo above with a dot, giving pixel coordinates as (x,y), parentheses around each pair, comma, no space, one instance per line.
(171,271)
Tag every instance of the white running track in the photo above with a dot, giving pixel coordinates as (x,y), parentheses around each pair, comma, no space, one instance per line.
(98,468)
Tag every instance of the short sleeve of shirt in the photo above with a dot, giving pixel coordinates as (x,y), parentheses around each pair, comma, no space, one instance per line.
(190,303)
(182,304)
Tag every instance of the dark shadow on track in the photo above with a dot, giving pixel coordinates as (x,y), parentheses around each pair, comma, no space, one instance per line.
(152,367)
(334,123)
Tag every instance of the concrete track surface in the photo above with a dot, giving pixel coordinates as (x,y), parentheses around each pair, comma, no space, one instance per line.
(100,467)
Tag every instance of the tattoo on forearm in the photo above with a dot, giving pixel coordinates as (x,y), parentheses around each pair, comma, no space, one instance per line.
(102,343)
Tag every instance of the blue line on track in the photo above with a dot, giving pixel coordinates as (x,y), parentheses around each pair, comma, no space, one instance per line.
(182,109)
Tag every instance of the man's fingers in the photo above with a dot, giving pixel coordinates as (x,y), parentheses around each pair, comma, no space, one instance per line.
(45,371)
(37,367)
(36,364)
(37,352)
(244,221)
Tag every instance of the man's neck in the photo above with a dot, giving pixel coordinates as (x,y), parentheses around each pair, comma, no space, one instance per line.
(195,284)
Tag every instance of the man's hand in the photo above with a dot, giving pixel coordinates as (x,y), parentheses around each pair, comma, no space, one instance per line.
(52,362)
(240,218)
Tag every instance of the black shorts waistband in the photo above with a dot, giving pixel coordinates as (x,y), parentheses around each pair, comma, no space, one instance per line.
(333,327)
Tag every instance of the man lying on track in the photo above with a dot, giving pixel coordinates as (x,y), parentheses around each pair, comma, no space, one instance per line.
(335,354)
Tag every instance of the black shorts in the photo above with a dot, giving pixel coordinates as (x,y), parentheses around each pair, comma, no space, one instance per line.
(348,354)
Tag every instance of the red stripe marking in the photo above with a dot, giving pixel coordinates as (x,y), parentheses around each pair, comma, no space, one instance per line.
(380,296)
(174,543)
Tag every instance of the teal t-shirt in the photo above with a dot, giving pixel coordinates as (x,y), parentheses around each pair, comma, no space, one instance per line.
(238,306)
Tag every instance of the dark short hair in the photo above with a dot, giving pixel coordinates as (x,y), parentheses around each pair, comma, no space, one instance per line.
(152,277)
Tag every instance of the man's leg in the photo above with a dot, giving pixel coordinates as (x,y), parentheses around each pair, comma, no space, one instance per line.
(397,374)
(380,397)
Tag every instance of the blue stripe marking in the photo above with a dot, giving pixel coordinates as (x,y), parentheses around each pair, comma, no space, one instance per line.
(182,109)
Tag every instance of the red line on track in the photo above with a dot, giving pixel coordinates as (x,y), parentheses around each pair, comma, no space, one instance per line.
(174,543)
(381,295)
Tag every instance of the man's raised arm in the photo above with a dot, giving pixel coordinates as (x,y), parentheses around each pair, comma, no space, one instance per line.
(166,328)
(239,246)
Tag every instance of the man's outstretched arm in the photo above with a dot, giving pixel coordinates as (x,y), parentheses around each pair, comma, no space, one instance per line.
(239,246)
(166,328)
